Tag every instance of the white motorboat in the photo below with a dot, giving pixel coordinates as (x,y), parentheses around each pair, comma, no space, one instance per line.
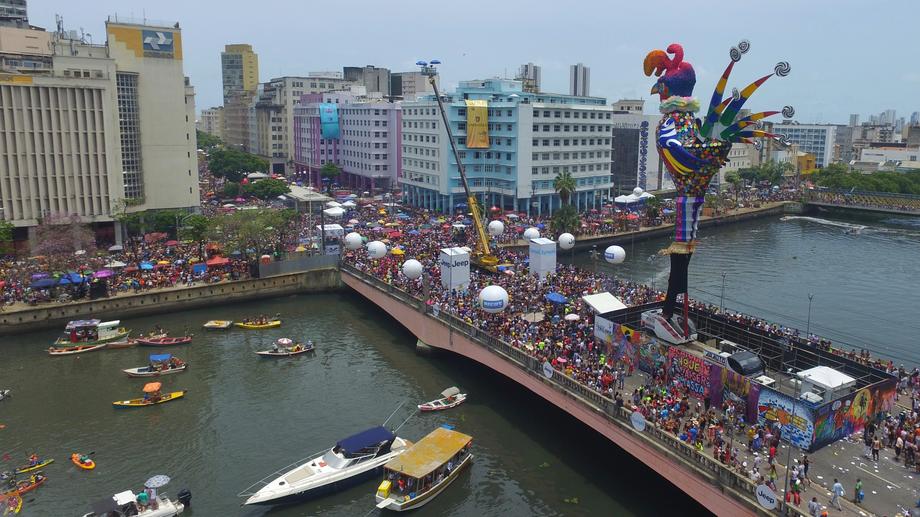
(351,461)
(124,504)
(160,364)
(451,397)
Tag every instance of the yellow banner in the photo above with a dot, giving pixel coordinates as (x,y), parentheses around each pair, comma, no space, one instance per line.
(477,124)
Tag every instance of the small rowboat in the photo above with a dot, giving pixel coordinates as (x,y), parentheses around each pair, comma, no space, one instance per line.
(12,504)
(26,486)
(5,394)
(27,468)
(164,341)
(128,343)
(89,465)
(218,324)
(168,397)
(451,397)
(71,350)
(146,371)
(258,326)
(287,352)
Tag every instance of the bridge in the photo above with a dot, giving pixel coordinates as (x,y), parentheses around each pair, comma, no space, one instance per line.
(713,484)
(882,202)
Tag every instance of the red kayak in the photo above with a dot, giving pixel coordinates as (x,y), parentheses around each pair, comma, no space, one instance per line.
(29,485)
(164,341)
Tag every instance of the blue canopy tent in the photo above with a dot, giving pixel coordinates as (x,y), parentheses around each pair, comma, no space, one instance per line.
(356,443)
(199,268)
(71,278)
(160,358)
(556,298)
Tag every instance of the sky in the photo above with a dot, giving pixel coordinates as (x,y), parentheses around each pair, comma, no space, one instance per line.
(846,56)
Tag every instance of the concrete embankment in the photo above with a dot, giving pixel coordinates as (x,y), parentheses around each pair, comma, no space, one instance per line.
(168,300)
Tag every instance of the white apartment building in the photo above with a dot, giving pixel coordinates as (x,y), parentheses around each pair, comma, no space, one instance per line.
(212,121)
(889,154)
(815,139)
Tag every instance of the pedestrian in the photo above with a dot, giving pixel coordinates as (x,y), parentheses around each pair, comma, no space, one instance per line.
(836,492)
(814,507)
(805,464)
(858,491)
(876,446)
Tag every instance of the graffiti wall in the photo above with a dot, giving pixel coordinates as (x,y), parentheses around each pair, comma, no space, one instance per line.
(798,427)
(726,385)
(651,356)
(689,370)
(850,414)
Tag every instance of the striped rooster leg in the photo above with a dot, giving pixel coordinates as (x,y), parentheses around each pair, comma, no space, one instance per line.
(677,282)
(687,217)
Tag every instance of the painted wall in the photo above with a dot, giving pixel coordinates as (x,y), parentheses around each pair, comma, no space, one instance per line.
(849,415)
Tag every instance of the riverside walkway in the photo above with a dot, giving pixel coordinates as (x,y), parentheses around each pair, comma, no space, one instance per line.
(718,487)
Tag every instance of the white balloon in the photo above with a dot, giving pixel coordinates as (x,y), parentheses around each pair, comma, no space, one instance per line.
(376,249)
(638,191)
(615,254)
(353,240)
(566,241)
(412,269)
(496,228)
(531,233)
(493,298)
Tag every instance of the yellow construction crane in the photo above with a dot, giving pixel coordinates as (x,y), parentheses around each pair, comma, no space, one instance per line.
(482,256)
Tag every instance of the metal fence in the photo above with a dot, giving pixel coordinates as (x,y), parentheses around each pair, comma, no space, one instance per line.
(731,483)
(297,265)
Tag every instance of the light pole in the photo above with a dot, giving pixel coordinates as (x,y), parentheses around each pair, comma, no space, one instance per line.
(798,393)
(811,297)
(722,297)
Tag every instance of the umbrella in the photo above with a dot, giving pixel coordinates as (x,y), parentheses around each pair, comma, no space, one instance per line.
(172,243)
(152,387)
(80,252)
(300,249)
(236,253)
(397,251)
(512,216)
(117,247)
(572,317)
(115,264)
(284,341)
(541,226)
(556,298)
(105,273)
(353,221)
(146,266)
(163,262)
(562,360)
(158,480)
(44,282)
(130,269)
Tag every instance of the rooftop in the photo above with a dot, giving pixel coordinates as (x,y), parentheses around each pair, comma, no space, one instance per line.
(429,453)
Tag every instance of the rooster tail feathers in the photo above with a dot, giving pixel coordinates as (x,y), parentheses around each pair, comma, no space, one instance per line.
(716,102)
(742,123)
(728,116)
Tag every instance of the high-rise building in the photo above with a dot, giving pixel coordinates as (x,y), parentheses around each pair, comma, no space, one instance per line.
(915,118)
(409,85)
(854,119)
(239,67)
(579,80)
(367,148)
(112,133)
(888,117)
(811,138)
(532,137)
(530,76)
(376,80)
(212,121)
(13,14)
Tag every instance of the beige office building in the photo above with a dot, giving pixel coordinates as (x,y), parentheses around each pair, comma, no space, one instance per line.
(239,67)
(211,121)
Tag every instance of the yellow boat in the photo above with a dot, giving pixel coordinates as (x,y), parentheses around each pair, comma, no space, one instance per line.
(256,326)
(141,402)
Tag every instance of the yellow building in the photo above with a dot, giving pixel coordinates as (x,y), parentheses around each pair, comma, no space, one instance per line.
(239,67)
(805,163)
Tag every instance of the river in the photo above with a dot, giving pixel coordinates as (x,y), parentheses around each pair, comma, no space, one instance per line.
(860,271)
(245,417)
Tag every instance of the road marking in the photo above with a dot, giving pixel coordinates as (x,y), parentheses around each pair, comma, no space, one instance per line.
(877,476)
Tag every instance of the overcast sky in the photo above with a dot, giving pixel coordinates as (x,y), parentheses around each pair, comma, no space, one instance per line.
(846,56)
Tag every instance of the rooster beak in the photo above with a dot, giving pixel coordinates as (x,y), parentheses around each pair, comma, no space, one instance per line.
(654,89)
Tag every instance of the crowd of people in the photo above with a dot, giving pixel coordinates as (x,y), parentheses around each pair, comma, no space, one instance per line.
(866,200)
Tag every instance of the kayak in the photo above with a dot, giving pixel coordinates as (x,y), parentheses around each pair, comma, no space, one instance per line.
(141,402)
(286,352)
(25,486)
(70,350)
(218,324)
(164,341)
(146,371)
(89,465)
(257,326)
(12,504)
(128,343)
(26,468)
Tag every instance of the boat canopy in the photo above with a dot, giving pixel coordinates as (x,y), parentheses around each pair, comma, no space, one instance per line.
(123,498)
(429,453)
(159,358)
(152,387)
(104,506)
(451,392)
(369,438)
(109,324)
(80,324)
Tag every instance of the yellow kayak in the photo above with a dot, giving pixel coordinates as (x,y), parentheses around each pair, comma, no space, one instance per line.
(141,402)
(256,326)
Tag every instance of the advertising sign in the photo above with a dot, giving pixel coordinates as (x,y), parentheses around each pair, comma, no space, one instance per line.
(689,370)
(158,43)
(542,256)
(329,120)
(455,268)
(766,497)
(477,124)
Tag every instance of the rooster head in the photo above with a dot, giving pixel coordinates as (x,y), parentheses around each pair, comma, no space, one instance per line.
(675,76)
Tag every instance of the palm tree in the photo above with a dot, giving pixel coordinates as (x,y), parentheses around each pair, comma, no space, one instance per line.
(330,171)
(564,184)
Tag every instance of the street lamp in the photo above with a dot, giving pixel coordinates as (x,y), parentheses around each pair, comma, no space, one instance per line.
(722,297)
(811,296)
(798,393)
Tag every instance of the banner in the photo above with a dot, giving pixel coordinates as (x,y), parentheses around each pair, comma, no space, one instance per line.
(796,418)
(652,356)
(689,370)
(329,120)
(477,124)
(726,385)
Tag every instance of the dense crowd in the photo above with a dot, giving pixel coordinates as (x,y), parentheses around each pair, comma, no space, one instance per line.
(868,200)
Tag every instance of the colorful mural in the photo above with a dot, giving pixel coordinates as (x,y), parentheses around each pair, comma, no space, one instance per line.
(850,414)
(652,356)
(797,427)
(689,370)
(727,385)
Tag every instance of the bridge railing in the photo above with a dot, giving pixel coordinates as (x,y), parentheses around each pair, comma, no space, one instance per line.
(712,469)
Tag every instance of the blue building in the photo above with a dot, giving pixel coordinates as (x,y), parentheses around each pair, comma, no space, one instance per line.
(533,137)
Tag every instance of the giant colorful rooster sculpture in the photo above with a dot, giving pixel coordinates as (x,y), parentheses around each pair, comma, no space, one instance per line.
(693,150)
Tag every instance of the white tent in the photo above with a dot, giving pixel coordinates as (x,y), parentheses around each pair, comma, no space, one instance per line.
(632,198)
(115,264)
(257,176)
(602,303)
(333,204)
(334,212)
(349,204)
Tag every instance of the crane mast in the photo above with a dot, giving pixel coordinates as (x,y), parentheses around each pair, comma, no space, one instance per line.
(483,256)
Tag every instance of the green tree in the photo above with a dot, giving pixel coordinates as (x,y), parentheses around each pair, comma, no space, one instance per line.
(565,220)
(734,179)
(330,171)
(6,237)
(233,164)
(653,207)
(267,188)
(564,184)
(207,141)
(195,228)
(232,189)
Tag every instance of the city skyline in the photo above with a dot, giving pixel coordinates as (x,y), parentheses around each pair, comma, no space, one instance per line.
(830,76)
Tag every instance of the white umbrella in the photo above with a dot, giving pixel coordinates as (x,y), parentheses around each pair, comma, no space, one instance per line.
(334,212)
(333,204)
(572,317)
(157,481)
(349,204)
(115,264)
(80,252)
(117,247)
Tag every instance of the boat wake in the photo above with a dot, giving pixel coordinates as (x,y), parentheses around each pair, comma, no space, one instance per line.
(826,222)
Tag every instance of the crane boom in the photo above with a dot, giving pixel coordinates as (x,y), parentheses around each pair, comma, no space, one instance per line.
(483,256)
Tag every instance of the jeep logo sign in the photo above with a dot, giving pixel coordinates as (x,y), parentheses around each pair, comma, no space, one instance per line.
(766,497)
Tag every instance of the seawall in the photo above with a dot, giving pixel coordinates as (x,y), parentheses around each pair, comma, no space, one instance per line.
(168,300)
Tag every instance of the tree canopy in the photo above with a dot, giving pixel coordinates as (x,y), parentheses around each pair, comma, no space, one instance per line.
(564,184)
(769,172)
(838,176)
(330,171)
(207,141)
(233,164)
(267,188)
